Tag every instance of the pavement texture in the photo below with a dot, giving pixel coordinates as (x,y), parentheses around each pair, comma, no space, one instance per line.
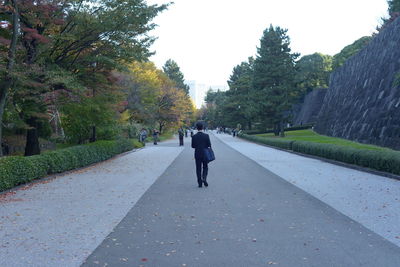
(60,221)
(248,216)
(372,200)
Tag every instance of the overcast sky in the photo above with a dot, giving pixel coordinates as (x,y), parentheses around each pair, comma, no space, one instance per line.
(207,38)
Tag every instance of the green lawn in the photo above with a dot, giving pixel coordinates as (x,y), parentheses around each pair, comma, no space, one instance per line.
(311,136)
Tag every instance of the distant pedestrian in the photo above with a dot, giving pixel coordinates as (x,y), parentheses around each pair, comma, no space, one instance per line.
(181,134)
(155,136)
(143,136)
(186,132)
(191,132)
(201,141)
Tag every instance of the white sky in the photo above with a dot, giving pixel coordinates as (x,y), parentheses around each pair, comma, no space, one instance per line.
(207,38)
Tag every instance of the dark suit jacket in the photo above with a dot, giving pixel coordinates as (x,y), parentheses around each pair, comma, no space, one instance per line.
(200,141)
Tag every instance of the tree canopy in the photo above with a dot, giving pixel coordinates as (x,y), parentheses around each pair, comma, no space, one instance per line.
(350,50)
(313,71)
(261,90)
(172,70)
(61,67)
(394,6)
(154,98)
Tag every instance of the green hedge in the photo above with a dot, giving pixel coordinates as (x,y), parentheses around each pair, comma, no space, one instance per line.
(299,127)
(381,160)
(294,128)
(282,143)
(17,170)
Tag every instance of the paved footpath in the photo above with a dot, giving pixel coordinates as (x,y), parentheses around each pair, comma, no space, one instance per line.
(59,222)
(248,216)
(372,200)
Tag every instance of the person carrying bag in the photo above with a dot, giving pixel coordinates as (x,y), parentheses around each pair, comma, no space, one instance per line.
(202,154)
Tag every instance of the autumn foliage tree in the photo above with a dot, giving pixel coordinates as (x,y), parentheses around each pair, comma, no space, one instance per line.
(8,48)
(65,52)
(29,79)
(154,99)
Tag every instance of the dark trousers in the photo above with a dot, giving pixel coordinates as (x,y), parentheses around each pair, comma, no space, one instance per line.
(181,141)
(201,174)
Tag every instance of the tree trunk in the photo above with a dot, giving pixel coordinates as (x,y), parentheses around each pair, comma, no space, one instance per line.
(281,129)
(60,125)
(249,125)
(8,81)
(93,137)
(32,138)
(276,129)
(3,97)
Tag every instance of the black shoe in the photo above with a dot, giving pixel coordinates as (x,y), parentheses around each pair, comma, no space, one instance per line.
(200,185)
(205,183)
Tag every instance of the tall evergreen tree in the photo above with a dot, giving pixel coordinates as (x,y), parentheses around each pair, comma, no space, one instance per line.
(173,72)
(394,6)
(240,105)
(273,78)
(214,112)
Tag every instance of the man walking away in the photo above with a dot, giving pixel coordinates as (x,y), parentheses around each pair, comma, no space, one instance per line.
(143,136)
(155,136)
(180,132)
(200,141)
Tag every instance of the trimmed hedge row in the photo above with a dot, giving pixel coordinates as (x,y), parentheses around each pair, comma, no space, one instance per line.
(294,128)
(381,160)
(299,127)
(16,170)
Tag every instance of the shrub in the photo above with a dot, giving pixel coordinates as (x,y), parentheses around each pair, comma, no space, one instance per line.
(294,128)
(299,127)
(136,143)
(109,132)
(381,160)
(17,170)
(130,131)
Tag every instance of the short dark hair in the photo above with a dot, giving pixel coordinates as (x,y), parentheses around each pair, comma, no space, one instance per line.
(199,125)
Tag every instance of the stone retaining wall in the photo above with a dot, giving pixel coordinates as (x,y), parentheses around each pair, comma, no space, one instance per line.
(310,108)
(363,100)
